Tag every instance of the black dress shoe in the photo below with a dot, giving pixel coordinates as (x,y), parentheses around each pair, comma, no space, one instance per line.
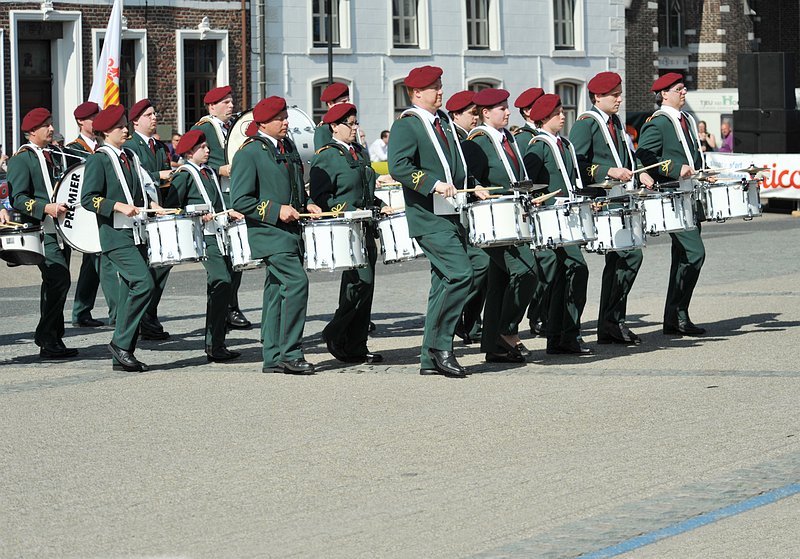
(88,323)
(298,367)
(56,350)
(148,334)
(506,357)
(462,333)
(221,354)
(573,347)
(445,362)
(125,361)
(236,320)
(368,357)
(508,348)
(617,334)
(151,323)
(371,327)
(537,329)
(684,328)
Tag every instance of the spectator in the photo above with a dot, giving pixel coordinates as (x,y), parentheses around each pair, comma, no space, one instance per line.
(727,137)
(379,149)
(707,140)
(174,158)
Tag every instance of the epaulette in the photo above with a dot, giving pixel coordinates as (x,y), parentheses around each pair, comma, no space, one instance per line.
(476,134)
(203,120)
(323,148)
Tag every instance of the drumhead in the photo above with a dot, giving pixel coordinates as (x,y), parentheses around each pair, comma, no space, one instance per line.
(237,134)
(78,226)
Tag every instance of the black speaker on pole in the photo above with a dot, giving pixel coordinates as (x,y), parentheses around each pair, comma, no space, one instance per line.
(748,81)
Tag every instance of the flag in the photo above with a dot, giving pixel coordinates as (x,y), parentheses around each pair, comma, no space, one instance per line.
(105,87)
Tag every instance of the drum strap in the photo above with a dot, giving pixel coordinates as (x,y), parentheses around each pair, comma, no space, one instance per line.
(610,142)
(123,221)
(501,153)
(48,223)
(560,163)
(681,137)
(208,228)
(217,125)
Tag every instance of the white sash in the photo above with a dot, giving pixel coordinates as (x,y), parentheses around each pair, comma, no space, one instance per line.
(216,226)
(123,221)
(560,164)
(501,153)
(679,133)
(610,143)
(442,205)
(48,225)
(224,182)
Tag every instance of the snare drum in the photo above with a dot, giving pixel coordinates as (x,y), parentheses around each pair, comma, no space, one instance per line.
(334,244)
(392,197)
(618,229)
(174,239)
(396,244)
(22,245)
(734,199)
(498,222)
(668,212)
(563,224)
(239,247)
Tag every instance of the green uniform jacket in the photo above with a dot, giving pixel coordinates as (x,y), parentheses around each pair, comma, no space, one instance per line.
(77,147)
(339,180)
(216,156)
(524,135)
(658,142)
(485,165)
(543,169)
(261,183)
(28,191)
(322,136)
(413,162)
(594,155)
(184,191)
(152,163)
(101,190)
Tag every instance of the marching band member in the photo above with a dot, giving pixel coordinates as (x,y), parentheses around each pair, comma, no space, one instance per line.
(196,183)
(95,270)
(494,159)
(267,187)
(600,147)
(335,93)
(154,158)
(114,190)
(425,157)
(671,134)
(525,133)
(341,177)
(463,113)
(215,126)
(32,172)
(550,159)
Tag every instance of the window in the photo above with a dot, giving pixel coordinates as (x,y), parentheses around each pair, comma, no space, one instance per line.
(404,24)
(319,19)
(199,75)
(569,101)
(478,24)
(670,23)
(401,100)
(483,83)
(564,22)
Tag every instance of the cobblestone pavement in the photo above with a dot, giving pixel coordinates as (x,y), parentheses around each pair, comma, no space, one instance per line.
(557,458)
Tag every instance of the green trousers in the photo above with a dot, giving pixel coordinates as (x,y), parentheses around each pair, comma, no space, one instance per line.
(96,271)
(451,281)
(218,292)
(540,300)
(349,326)
(136,286)
(159,276)
(618,276)
(473,306)
(688,254)
(568,288)
(512,279)
(283,314)
(53,294)
(236,277)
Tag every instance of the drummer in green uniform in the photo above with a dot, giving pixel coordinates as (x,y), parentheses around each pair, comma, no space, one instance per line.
(494,159)
(464,115)
(195,183)
(668,137)
(32,172)
(215,126)
(267,187)
(602,152)
(425,157)
(342,178)
(335,93)
(154,157)
(95,270)
(113,189)
(549,160)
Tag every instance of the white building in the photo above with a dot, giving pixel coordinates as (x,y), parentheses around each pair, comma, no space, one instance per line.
(514,44)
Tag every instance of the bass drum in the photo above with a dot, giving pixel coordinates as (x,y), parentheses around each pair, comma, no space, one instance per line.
(78,227)
(301,132)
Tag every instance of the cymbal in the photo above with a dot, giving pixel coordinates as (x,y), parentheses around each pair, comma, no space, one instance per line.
(752,170)
(607,184)
(527,186)
(704,174)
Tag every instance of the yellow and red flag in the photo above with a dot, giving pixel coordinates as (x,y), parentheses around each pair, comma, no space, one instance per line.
(105,87)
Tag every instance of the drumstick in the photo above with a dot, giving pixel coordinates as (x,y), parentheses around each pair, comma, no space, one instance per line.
(222,213)
(480,188)
(544,197)
(395,183)
(323,214)
(9,226)
(15,224)
(164,210)
(666,161)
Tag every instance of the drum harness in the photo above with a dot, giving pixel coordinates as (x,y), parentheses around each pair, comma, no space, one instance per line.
(123,221)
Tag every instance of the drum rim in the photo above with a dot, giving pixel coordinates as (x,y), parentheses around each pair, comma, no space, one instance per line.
(234,122)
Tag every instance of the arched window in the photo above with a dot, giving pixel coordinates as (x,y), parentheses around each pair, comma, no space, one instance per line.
(568,91)
(482,83)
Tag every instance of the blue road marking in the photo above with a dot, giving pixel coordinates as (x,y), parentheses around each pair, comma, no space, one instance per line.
(696,522)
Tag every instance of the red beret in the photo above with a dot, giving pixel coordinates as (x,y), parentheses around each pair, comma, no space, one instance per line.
(87,109)
(268,108)
(334,91)
(528,97)
(604,82)
(460,101)
(423,76)
(338,112)
(108,118)
(252,128)
(666,81)
(217,94)
(138,108)
(34,119)
(189,140)
(544,106)
(490,97)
